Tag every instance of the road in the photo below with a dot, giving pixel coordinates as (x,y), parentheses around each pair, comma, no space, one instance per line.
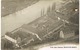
(60,42)
(70,42)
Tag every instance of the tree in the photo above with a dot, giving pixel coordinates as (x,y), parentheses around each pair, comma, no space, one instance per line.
(42,12)
(53,6)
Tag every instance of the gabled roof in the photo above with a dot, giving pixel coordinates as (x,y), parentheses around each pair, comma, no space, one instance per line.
(42,25)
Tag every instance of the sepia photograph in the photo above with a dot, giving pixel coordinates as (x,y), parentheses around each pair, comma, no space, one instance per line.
(39,24)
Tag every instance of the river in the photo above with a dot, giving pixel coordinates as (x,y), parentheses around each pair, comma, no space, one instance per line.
(15,20)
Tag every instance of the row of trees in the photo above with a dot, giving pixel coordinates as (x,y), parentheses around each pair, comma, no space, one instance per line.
(66,10)
(50,10)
